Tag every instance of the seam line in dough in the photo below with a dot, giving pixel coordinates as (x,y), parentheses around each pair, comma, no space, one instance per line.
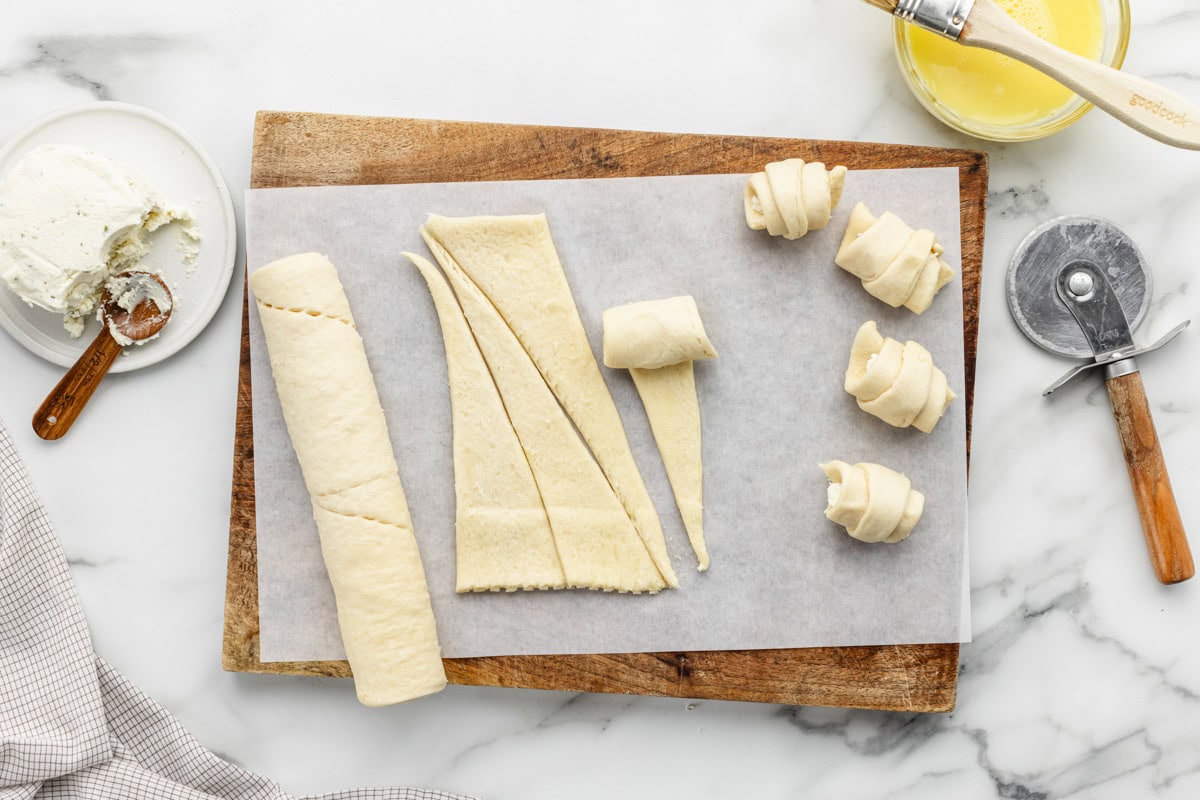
(310,312)
(376,520)
(352,486)
(467,278)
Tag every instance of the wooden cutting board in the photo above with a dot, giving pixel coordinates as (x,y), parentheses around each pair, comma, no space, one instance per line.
(299,149)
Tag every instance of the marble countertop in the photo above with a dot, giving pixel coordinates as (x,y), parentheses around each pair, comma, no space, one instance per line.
(1083,679)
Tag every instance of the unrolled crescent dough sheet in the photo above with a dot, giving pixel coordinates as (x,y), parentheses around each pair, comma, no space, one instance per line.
(782,316)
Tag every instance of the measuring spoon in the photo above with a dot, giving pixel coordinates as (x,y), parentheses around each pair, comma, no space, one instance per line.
(135,307)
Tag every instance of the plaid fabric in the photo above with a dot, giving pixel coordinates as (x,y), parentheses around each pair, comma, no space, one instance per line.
(70,725)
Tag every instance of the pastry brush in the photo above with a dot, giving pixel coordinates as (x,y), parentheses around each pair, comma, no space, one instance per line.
(1144,106)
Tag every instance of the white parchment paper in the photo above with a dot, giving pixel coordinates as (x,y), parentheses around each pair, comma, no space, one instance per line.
(782,316)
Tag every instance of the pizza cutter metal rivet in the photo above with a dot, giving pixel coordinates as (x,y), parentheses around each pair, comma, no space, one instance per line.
(1078,287)
(1080,284)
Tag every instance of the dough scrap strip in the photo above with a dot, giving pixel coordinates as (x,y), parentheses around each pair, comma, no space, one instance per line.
(673,409)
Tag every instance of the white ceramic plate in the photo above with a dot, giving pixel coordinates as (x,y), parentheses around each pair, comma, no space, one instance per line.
(154,148)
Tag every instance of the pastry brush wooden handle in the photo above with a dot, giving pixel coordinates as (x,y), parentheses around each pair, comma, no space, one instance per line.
(1144,106)
(1165,537)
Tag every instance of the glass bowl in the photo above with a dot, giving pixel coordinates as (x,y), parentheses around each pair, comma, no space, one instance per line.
(1116,42)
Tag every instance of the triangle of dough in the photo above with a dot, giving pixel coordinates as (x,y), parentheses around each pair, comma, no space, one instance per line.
(502,537)
(513,263)
(669,395)
(597,543)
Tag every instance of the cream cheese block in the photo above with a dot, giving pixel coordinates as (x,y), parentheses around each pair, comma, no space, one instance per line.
(69,220)
(336,424)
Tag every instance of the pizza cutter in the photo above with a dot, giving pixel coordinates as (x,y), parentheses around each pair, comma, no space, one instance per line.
(1078,286)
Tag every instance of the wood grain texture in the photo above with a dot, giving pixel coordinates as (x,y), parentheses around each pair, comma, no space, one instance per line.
(1161,523)
(298,149)
(58,412)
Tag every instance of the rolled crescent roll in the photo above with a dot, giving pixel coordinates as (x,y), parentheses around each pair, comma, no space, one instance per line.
(657,340)
(896,382)
(790,198)
(337,428)
(873,503)
(899,265)
(655,333)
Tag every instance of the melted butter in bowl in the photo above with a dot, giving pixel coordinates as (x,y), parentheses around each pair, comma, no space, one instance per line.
(993,96)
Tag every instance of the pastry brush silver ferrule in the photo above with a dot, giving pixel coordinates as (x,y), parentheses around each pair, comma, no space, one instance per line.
(943,17)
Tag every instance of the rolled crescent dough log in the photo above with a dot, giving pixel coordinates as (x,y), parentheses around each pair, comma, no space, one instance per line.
(896,382)
(790,198)
(873,503)
(655,333)
(341,440)
(899,265)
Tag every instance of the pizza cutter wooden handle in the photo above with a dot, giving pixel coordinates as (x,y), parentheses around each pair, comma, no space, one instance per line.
(1165,537)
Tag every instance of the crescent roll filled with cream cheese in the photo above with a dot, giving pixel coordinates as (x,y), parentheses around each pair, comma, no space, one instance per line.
(898,265)
(873,503)
(790,198)
(896,382)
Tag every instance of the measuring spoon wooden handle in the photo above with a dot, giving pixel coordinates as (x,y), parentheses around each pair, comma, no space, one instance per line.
(61,407)
(1165,537)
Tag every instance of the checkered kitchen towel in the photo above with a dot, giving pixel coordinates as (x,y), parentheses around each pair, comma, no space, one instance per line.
(70,725)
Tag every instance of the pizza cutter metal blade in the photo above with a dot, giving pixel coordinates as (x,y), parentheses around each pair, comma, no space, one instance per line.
(1078,286)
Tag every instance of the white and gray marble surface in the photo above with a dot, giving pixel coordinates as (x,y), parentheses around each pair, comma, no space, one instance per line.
(1084,677)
